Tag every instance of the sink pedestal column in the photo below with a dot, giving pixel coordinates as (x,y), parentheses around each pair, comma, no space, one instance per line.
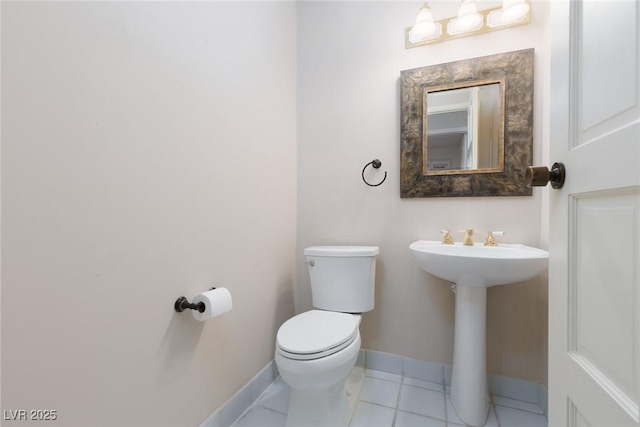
(469,392)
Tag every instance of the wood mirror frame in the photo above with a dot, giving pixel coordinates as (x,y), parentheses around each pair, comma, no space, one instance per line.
(516,70)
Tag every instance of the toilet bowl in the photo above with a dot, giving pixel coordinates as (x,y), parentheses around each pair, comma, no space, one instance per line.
(317,350)
(315,354)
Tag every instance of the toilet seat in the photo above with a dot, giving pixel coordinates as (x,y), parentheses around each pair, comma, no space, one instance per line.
(316,334)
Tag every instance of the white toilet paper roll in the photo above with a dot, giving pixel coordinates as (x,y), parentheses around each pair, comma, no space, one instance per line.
(216,302)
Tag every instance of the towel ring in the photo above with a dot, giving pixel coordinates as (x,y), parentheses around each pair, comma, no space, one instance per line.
(376,165)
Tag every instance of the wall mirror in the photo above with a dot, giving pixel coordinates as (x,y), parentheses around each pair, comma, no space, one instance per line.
(467,127)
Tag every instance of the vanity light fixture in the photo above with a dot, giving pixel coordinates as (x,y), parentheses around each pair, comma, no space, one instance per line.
(469,21)
(512,12)
(424,28)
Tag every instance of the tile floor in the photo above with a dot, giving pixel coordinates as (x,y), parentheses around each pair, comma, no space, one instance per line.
(389,400)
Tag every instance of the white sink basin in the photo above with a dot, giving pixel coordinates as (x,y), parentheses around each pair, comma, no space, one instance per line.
(479,265)
(473,269)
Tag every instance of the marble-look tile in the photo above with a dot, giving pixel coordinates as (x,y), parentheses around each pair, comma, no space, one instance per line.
(276,397)
(383,375)
(407,419)
(423,384)
(422,401)
(517,404)
(509,417)
(492,421)
(381,392)
(452,416)
(370,415)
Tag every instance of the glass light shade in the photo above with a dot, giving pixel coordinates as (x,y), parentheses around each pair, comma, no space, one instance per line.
(421,32)
(425,28)
(468,17)
(513,11)
(424,15)
(467,7)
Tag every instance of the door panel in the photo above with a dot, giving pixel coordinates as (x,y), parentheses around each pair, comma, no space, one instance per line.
(606,76)
(603,332)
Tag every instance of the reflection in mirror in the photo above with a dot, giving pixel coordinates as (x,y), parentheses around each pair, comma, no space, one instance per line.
(464,128)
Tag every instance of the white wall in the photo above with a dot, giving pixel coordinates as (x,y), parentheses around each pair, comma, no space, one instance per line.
(148,152)
(350,55)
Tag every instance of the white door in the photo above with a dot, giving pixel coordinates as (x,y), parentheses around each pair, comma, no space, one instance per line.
(594,242)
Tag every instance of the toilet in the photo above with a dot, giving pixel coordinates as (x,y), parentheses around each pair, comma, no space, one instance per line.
(317,350)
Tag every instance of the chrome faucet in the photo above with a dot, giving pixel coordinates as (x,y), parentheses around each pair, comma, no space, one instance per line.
(467,239)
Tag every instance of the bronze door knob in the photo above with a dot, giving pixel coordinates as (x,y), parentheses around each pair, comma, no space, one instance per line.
(539,176)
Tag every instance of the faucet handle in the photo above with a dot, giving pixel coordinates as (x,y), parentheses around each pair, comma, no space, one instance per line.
(467,239)
(446,239)
(490,240)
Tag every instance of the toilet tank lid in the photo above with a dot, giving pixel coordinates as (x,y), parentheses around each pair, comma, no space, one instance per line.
(342,251)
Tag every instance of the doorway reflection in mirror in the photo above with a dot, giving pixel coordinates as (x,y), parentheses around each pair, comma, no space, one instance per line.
(464,128)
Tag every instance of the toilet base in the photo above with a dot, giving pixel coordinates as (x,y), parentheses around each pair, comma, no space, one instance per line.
(331,407)
(354,385)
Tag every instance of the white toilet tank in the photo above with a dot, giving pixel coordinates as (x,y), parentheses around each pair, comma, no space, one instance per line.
(342,277)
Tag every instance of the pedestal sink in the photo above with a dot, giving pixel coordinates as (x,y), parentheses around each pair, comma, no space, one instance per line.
(473,269)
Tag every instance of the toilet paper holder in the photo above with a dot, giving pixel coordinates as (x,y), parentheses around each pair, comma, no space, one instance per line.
(183,303)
